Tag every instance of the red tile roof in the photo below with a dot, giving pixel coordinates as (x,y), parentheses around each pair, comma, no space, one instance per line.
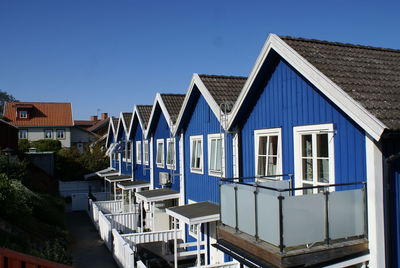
(40,114)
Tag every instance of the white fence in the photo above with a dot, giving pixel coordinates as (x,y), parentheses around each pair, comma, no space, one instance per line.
(67,188)
(123,254)
(105,230)
(147,237)
(124,222)
(110,207)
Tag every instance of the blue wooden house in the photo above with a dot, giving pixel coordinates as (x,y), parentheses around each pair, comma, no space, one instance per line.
(201,124)
(324,117)
(164,146)
(140,145)
(111,142)
(124,145)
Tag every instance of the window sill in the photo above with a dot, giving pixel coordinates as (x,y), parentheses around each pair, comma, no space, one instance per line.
(197,171)
(215,174)
(172,167)
(160,166)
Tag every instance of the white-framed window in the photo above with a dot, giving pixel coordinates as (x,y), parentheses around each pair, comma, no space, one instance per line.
(128,151)
(160,153)
(314,156)
(268,148)
(196,154)
(146,152)
(23,114)
(60,134)
(171,153)
(138,152)
(48,133)
(193,230)
(23,133)
(216,162)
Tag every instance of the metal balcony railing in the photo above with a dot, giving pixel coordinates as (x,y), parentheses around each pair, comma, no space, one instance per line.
(271,212)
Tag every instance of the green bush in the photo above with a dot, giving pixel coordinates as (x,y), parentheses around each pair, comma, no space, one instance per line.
(23,145)
(46,145)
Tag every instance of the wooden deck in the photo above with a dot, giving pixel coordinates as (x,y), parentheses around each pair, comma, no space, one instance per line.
(294,257)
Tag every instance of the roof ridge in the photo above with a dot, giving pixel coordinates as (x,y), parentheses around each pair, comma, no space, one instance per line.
(223,76)
(42,102)
(172,94)
(334,43)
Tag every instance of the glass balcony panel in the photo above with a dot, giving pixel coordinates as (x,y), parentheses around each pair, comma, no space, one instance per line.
(278,184)
(303,219)
(228,205)
(268,216)
(246,209)
(346,213)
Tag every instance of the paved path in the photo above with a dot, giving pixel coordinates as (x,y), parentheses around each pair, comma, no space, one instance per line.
(86,246)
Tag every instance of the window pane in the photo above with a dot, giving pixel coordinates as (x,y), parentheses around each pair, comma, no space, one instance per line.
(159,152)
(193,156)
(262,145)
(272,164)
(273,145)
(213,154)
(307,169)
(306,141)
(218,156)
(261,165)
(322,145)
(307,191)
(323,170)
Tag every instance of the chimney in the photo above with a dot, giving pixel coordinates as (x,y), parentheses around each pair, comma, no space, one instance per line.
(93,118)
(104,116)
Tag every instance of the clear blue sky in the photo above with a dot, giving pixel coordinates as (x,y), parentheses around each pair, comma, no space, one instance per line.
(112,54)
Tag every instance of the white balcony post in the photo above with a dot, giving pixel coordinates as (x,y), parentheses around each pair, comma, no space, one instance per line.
(198,245)
(153,216)
(115,192)
(175,246)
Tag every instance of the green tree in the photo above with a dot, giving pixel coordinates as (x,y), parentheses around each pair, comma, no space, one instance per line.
(46,145)
(4,96)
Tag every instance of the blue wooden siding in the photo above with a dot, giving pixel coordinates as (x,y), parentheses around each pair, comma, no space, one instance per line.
(162,131)
(288,100)
(202,121)
(139,173)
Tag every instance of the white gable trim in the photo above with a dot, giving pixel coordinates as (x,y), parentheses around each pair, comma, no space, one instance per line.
(164,110)
(110,127)
(196,80)
(136,113)
(119,125)
(355,110)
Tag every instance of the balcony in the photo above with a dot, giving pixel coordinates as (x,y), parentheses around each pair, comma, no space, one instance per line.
(268,225)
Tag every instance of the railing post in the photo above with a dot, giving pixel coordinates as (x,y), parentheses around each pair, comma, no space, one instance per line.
(364,189)
(255,212)
(281,245)
(327,237)
(236,210)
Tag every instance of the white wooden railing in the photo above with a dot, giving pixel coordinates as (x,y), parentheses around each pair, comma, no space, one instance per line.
(124,222)
(105,230)
(147,237)
(122,252)
(110,207)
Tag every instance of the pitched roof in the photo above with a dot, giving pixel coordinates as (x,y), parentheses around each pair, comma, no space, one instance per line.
(145,112)
(99,124)
(370,75)
(115,122)
(173,103)
(223,88)
(127,119)
(40,114)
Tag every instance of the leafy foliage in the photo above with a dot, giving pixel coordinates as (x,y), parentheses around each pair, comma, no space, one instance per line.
(4,96)
(72,165)
(45,145)
(23,145)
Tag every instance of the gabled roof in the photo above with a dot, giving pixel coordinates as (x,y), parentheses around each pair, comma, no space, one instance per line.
(370,75)
(362,81)
(40,114)
(170,105)
(112,126)
(219,91)
(99,124)
(144,112)
(123,123)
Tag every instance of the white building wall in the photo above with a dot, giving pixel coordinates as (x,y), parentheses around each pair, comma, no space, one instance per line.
(37,133)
